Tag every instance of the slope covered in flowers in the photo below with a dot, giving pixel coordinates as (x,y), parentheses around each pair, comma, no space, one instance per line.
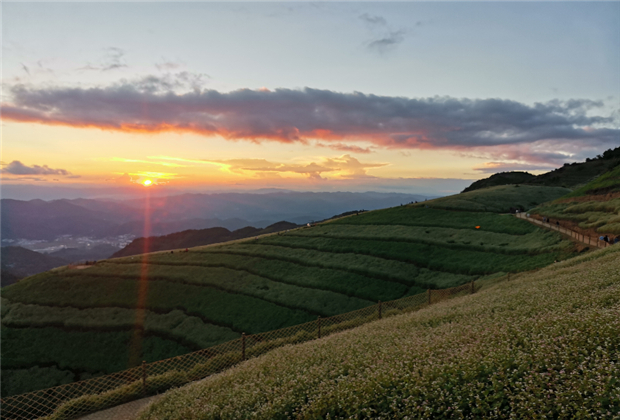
(544,345)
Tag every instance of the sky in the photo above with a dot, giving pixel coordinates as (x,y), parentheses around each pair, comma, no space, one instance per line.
(322,96)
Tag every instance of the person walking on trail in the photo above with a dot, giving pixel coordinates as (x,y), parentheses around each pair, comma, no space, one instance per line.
(606,238)
(557,223)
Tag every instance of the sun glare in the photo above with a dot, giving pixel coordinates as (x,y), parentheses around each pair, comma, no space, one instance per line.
(147,182)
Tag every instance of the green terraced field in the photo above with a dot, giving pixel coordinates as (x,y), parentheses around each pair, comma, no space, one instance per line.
(68,324)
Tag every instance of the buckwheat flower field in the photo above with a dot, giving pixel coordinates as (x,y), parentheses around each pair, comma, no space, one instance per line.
(544,345)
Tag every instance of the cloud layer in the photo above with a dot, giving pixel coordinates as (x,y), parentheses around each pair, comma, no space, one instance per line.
(501,128)
(344,166)
(18,168)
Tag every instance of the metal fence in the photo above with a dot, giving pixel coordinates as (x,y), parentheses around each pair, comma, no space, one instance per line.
(589,240)
(79,398)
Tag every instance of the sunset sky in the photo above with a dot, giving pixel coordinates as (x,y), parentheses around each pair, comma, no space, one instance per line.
(307,96)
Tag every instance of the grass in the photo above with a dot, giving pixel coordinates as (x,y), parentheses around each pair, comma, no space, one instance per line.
(589,206)
(418,215)
(213,293)
(175,325)
(469,239)
(500,199)
(602,216)
(236,283)
(237,312)
(609,182)
(432,257)
(317,277)
(546,344)
(43,356)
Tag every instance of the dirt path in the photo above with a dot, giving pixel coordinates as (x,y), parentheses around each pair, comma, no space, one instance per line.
(576,236)
(127,411)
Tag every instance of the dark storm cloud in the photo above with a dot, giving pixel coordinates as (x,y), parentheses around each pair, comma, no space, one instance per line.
(289,116)
(18,168)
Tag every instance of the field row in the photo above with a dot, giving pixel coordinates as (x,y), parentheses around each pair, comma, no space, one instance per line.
(83,353)
(432,257)
(20,381)
(354,274)
(479,240)
(418,215)
(188,330)
(234,311)
(500,199)
(302,263)
(236,282)
(224,266)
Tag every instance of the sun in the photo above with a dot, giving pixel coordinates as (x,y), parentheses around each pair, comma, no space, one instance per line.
(147,182)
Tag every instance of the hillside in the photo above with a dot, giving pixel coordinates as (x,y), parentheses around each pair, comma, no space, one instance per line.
(18,262)
(502,178)
(570,175)
(573,175)
(500,199)
(69,324)
(90,253)
(193,238)
(593,208)
(544,345)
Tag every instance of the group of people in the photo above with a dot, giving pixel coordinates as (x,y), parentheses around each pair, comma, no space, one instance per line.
(547,220)
(610,240)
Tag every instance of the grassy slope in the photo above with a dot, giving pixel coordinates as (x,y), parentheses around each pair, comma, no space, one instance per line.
(502,178)
(609,182)
(501,198)
(259,285)
(584,206)
(570,175)
(544,345)
(577,174)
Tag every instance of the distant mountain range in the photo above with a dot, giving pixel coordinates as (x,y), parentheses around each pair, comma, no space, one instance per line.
(192,238)
(47,220)
(18,262)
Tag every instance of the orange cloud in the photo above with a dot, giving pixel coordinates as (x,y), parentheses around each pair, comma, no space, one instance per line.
(298,116)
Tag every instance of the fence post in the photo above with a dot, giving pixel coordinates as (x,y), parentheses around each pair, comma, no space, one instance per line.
(318,321)
(144,378)
(379,309)
(242,346)
(473,287)
(428,292)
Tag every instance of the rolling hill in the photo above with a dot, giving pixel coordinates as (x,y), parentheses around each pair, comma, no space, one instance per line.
(70,324)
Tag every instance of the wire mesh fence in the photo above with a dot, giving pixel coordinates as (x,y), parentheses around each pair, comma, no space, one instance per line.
(76,399)
(589,240)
